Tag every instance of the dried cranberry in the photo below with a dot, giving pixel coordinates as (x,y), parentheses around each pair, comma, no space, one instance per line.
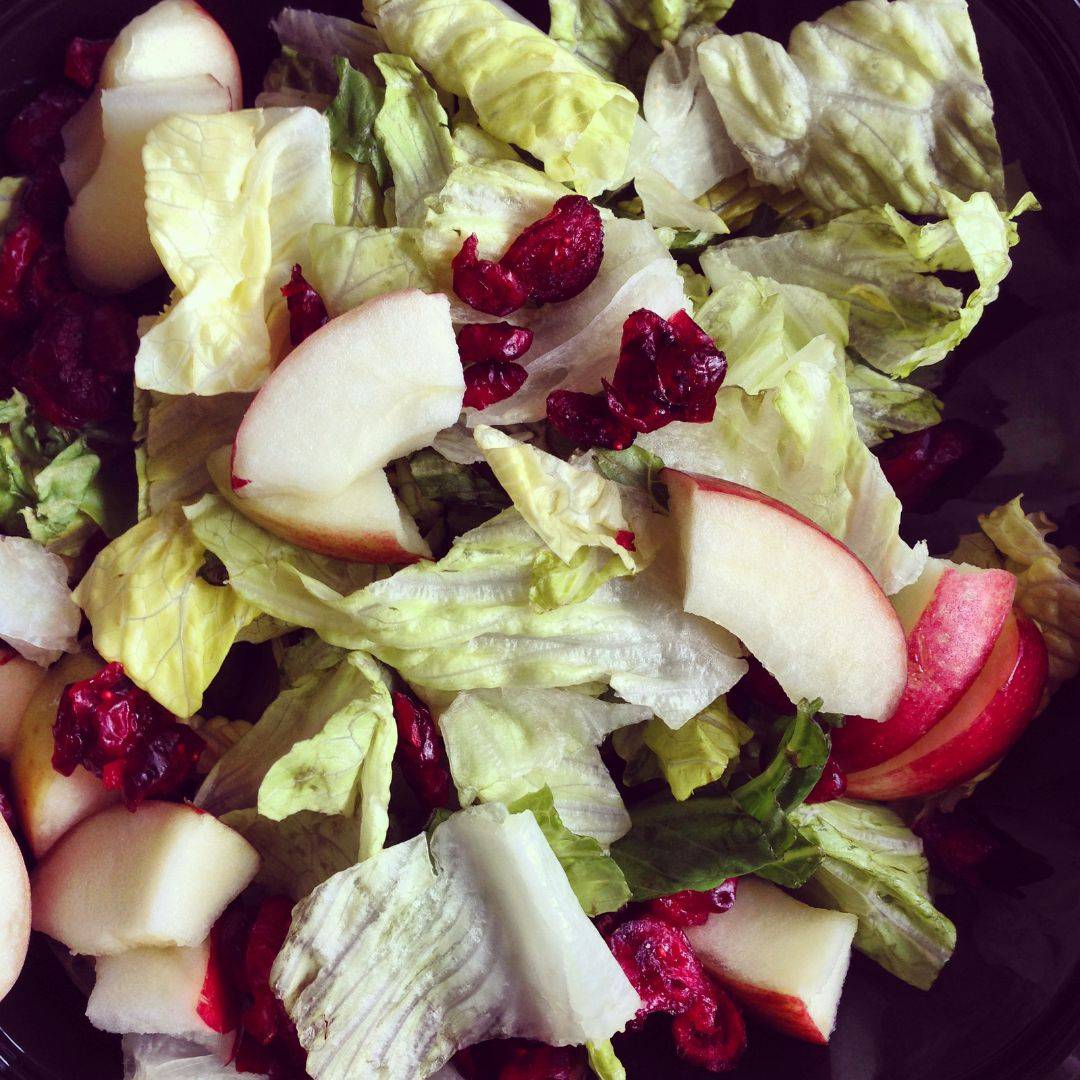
(690,908)
(478,342)
(83,59)
(957,845)
(485,285)
(691,367)
(421,752)
(586,421)
(21,246)
(831,785)
(710,1034)
(120,733)
(521,1059)
(33,137)
(626,540)
(307,312)
(79,366)
(490,381)
(45,198)
(558,256)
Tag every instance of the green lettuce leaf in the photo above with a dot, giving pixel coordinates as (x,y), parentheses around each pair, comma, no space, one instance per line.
(505,744)
(604,1062)
(596,879)
(874,868)
(885,407)
(665,207)
(883,266)
(873,103)
(556,583)
(10,189)
(151,610)
(600,33)
(799,443)
(526,89)
(351,117)
(358,198)
(480,937)
(230,200)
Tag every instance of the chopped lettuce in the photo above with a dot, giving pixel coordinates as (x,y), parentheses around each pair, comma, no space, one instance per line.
(883,266)
(152,611)
(504,744)
(602,34)
(604,1062)
(595,877)
(11,188)
(885,407)
(876,102)
(38,617)
(665,207)
(351,117)
(874,868)
(799,443)
(556,583)
(358,198)
(481,937)
(526,89)
(321,39)
(163,1057)
(230,200)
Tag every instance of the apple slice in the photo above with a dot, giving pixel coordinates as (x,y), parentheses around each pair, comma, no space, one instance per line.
(47,803)
(108,243)
(782,959)
(14,910)
(952,616)
(799,600)
(977,731)
(158,877)
(19,679)
(174,39)
(176,991)
(371,385)
(364,523)
(84,141)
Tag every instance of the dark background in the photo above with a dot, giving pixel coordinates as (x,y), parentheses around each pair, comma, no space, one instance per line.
(1008,1005)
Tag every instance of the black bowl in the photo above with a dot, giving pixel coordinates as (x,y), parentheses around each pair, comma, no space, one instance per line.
(1008,1005)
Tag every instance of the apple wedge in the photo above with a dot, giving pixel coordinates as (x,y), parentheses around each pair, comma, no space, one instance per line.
(47,803)
(952,616)
(108,243)
(174,39)
(371,385)
(14,910)
(177,991)
(977,731)
(782,959)
(364,523)
(158,877)
(19,679)
(800,601)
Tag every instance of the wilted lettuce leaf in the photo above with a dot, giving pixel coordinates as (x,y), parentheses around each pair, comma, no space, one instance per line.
(885,407)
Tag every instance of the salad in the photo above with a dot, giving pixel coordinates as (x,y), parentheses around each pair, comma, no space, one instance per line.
(452,577)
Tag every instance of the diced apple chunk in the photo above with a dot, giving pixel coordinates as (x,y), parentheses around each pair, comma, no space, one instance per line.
(158,877)
(19,679)
(782,959)
(14,910)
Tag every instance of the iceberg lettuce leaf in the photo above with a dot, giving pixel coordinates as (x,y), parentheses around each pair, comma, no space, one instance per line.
(351,117)
(38,618)
(885,407)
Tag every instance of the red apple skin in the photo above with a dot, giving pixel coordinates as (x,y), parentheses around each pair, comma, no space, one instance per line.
(947,648)
(781,1011)
(978,731)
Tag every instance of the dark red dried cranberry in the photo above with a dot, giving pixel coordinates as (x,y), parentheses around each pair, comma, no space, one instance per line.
(120,733)
(710,1034)
(558,256)
(832,785)
(83,59)
(33,137)
(45,199)
(485,285)
(79,367)
(521,1059)
(586,421)
(490,381)
(690,908)
(957,845)
(307,312)
(479,342)
(626,540)
(421,752)
(691,368)
(21,246)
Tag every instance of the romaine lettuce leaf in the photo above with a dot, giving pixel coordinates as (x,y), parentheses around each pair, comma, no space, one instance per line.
(152,611)
(481,937)
(874,868)
(799,443)
(876,102)
(38,617)
(595,877)
(885,407)
(230,200)
(526,89)
(351,117)
(902,316)
(505,744)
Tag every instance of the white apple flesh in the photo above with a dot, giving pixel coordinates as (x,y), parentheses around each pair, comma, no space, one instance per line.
(174,39)
(977,731)
(952,616)
(19,679)
(47,803)
(365,523)
(14,910)
(107,239)
(371,385)
(800,601)
(782,959)
(158,877)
